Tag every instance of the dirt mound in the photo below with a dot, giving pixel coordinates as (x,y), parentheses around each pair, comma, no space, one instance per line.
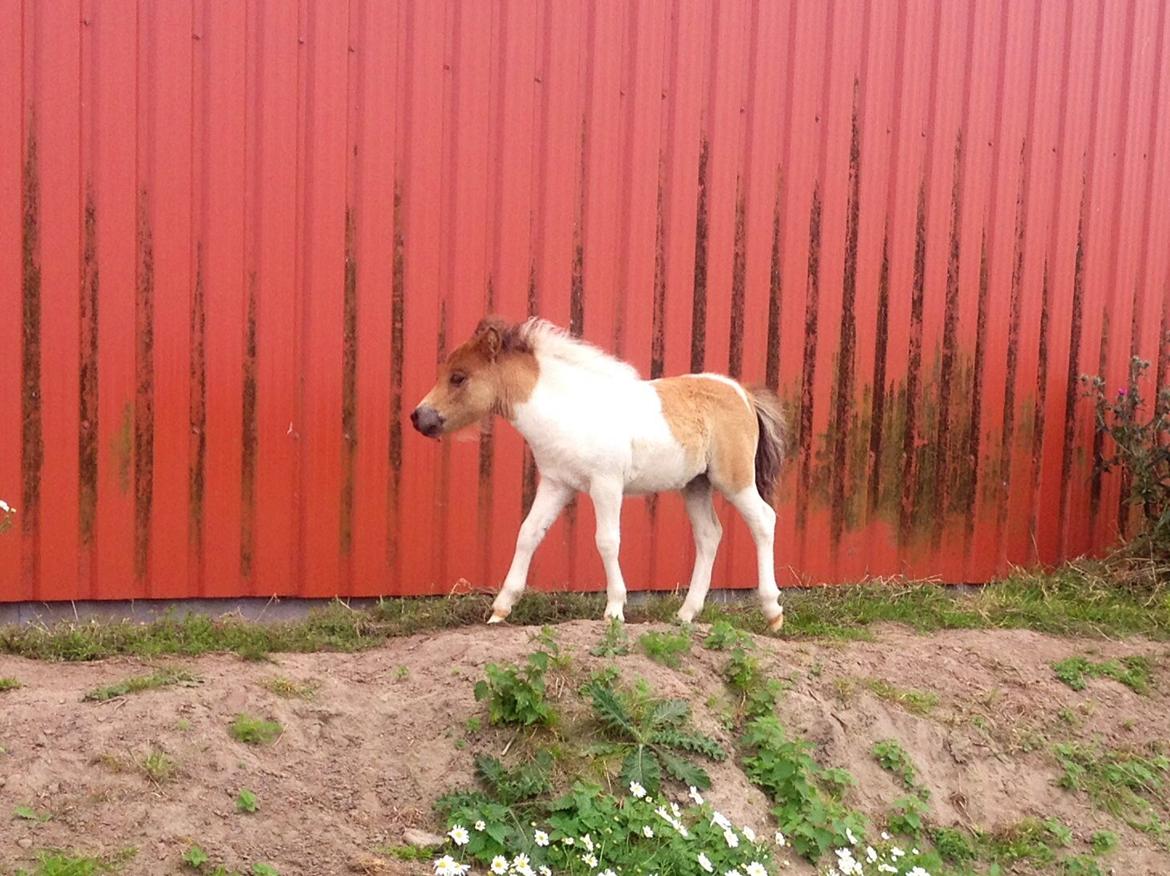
(382,733)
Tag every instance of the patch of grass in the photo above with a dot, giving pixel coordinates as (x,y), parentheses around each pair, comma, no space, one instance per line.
(1133,672)
(1128,785)
(1077,599)
(158,767)
(406,853)
(1081,865)
(614,641)
(254,731)
(247,802)
(264,870)
(7,684)
(955,846)
(55,862)
(665,647)
(28,813)
(140,683)
(1103,842)
(914,701)
(291,690)
(1028,841)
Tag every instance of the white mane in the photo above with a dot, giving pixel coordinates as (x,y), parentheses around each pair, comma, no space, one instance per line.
(554,342)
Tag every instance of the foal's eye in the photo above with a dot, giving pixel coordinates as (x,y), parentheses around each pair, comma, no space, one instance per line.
(457,378)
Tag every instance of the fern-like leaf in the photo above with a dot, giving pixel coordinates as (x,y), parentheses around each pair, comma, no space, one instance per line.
(683,771)
(611,711)
(694,742)
(641,766)
(668,713)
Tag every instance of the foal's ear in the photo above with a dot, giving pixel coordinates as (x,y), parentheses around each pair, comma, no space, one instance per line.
(490,333)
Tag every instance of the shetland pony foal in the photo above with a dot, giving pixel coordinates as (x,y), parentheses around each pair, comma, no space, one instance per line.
(595,426)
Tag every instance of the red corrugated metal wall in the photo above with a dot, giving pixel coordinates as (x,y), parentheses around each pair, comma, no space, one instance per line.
(236,237)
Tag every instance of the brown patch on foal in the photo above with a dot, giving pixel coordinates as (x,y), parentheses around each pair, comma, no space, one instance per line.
(489,374)
(714,425)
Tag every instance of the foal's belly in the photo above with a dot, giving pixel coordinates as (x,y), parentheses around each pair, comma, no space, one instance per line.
(658,466)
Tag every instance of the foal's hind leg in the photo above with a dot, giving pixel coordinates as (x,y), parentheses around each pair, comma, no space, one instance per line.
(550,498)
(761,520)
(707,532)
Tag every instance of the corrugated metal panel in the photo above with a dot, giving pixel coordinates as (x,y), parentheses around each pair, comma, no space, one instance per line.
(236,238)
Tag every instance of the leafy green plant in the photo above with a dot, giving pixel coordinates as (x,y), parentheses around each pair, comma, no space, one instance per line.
(908,816)
(588,831)
(893,758)
(666,648)
(195,858)
(254,731)
(1139,447)
(652,735)
(140,683)
(1081,865)
(723,637)
(1134,672)
(516,694)
(247,802)
(8,684)
(808,814)
(758,693)
(264,870)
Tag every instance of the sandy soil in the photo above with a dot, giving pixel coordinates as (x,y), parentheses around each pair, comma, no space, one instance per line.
(385,733)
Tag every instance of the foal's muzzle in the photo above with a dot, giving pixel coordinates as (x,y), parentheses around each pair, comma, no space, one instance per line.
(427,420)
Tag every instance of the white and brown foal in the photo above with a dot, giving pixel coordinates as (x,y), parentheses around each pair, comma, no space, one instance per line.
(595,426)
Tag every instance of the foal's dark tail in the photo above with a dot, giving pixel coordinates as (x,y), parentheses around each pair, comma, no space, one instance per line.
(772,446)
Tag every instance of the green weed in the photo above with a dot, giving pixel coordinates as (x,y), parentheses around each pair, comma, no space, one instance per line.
(27,813)
(1133,672)
(7,684)
(652,736)
(140,683)
(516,694)
(158,767)
(289,689)
(247,802)
(893,758)
(1125,784)
(254,731)
(614,641)
(666,648)
(195,858)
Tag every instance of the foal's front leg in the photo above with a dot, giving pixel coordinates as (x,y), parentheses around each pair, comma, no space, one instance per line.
(606,494)
(551,496)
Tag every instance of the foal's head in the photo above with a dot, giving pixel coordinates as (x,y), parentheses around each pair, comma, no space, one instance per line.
(493,371)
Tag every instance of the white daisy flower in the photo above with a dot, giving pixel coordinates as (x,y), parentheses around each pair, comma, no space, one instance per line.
(731,839)
(749,833)
(540,838)
(568,840)
(520,862)
(590,860)
(704,861)
(871,854)
(637,790)
(720,819)
(499,865)
(459,835)
(780,841)
(544,870)
(897,852)
(479,825)
(755,868)
(695,795)
(648,832)
(588,842)
(849,835)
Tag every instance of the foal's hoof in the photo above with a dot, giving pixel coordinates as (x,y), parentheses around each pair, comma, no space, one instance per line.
(614,612)
(498,617)
(686,615)
(776,623)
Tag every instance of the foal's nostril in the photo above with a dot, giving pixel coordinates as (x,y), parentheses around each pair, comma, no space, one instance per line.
(427,420)
(414,418)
